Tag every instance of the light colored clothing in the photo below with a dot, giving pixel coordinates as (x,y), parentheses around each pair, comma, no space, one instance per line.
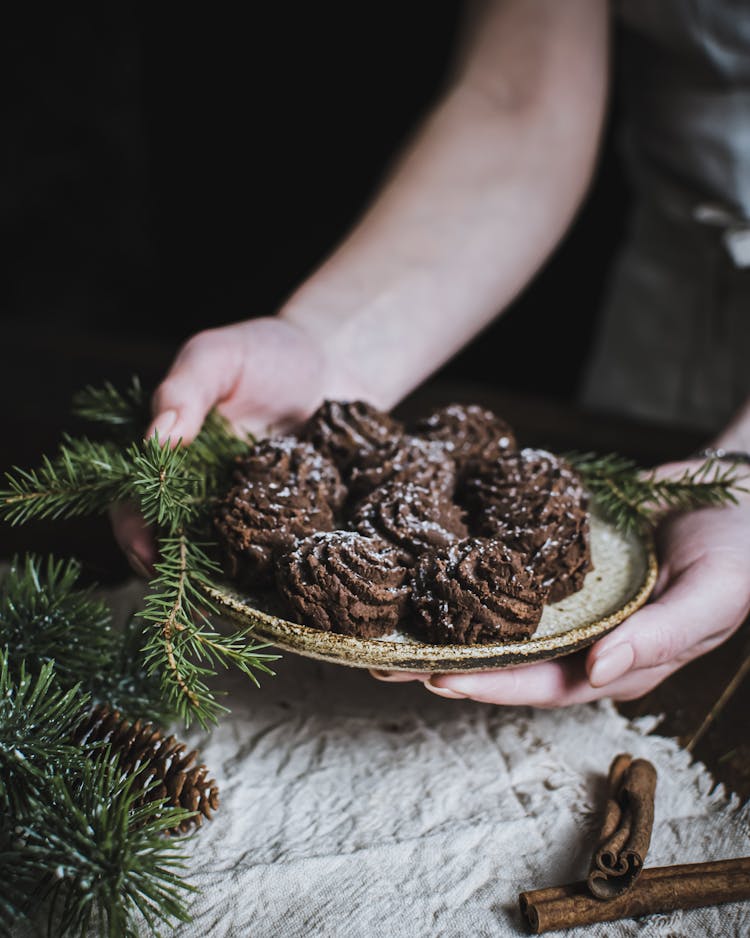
(674,343)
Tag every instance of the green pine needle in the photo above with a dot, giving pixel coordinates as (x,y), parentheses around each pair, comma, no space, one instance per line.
(126,411)
(131,685)
(634,499)
(37,720)
(84,478)
(45,617)
(175,488)
(183,644)
(96,857)
(161,483)
(214,450)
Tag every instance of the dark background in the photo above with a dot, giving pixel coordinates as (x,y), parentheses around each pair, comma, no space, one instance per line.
(167,173)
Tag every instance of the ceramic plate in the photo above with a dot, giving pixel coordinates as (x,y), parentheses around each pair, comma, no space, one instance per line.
(623,576)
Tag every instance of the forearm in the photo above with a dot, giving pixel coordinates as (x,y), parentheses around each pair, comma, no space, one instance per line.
(474,206)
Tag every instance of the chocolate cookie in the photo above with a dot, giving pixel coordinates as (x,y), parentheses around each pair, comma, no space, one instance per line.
(264,514)
(475,590)
(410,517)
(285,462)
(344,582)
(534,502)
(350,432)
(468,432)
(410,459)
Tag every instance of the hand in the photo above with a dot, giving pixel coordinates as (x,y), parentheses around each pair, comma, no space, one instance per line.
(263,375)
(701,597)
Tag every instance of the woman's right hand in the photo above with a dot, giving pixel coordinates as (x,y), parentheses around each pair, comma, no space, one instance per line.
(263,375)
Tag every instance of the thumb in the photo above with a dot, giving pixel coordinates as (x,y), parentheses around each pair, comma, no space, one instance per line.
(203,374)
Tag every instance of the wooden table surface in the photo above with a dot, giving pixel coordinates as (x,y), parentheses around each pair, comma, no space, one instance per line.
(36,390)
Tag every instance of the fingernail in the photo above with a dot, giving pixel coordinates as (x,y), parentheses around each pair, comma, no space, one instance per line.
(164,424)
(611,665)
(444,691)
(138,565)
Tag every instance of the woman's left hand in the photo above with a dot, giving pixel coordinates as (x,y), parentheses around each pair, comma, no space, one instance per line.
(701,597)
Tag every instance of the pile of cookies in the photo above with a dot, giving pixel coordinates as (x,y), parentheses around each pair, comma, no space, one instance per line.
(445,528)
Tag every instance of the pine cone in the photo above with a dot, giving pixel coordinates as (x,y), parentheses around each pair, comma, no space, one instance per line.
(140,748)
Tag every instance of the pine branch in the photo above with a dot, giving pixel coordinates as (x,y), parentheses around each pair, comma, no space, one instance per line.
(166,489)
(44,617)
(129,686)
(215,448)
(37,720)
(84,478)
(126,411)
(97,856)
(184,643)
(635,499)
(175,488)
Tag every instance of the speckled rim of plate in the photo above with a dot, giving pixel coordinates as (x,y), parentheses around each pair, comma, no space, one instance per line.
(416,656)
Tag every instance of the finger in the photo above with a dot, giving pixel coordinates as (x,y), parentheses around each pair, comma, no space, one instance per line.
(548,684)
(694,614)
(203,374)
(553,684)
(663,579)
(135,538)
(397,677)
(635,684)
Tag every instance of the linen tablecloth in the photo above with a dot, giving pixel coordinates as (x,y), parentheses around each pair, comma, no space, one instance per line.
(352,808)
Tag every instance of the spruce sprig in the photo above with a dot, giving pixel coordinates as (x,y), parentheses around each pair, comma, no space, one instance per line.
(84,478)
(634,499)
(37,719)
(96,857)
(175,488)
(127,410)
(184,644)
(165,485)
(46,616)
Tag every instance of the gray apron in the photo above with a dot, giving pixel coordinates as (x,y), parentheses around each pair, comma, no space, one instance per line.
(674,341)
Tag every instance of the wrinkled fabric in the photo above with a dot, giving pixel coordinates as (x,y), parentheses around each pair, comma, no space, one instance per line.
(353,808)
(673,344)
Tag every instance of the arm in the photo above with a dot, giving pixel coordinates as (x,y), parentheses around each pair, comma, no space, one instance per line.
(476,203)
(471,210)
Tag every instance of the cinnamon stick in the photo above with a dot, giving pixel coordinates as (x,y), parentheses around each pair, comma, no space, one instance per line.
(659,889)
(626,832)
